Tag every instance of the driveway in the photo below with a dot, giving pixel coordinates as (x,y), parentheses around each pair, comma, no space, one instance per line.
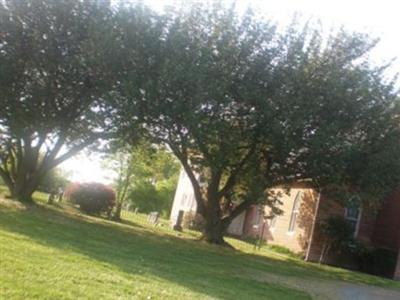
(330,289)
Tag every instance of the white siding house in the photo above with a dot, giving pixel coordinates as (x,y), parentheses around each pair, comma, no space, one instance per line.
(184,200)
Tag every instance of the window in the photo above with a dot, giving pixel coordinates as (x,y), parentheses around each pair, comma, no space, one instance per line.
(353,216)
(183,200)
(295,212)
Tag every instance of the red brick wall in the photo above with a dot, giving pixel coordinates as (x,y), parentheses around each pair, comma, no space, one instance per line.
(387,229)
(296,240)
(366,226)
(397,270)
(328,207)
(381,230)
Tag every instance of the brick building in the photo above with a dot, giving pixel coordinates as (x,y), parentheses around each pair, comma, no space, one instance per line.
(298,228)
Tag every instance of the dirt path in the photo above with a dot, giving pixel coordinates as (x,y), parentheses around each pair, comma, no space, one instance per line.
(331,290)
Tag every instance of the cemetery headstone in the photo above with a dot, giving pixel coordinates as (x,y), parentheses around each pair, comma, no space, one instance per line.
(153,217)
(179,220)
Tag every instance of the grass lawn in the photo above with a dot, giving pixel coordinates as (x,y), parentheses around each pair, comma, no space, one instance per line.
(52,252)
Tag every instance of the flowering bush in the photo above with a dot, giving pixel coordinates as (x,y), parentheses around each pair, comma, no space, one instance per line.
(92,198)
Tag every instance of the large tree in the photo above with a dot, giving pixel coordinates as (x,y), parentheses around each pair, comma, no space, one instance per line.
(243,105)
(56,65)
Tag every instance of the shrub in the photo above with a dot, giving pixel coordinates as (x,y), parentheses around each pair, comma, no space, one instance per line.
(376,261)
(92,198)
(337,235)
(339,238)
(193,221)
(150,197)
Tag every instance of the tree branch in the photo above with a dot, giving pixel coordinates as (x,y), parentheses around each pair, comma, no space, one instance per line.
(52,153)
(237,211)
(73,151)
(6,178)
(12,155)
(230,183)
(42,139)
(126,183)
(196,186)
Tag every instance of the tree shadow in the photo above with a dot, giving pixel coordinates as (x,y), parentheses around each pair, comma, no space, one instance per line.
(202,268)
(291,266)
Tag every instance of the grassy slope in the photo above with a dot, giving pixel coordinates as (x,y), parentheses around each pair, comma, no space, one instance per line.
(50,253)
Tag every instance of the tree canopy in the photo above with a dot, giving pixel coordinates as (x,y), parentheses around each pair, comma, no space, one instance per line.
(239,102)
(242,105)
(55,70)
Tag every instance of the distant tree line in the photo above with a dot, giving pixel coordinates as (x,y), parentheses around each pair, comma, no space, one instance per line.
(146,177)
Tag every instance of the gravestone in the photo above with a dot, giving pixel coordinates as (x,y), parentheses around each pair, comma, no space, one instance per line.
(179,220)
(153,217)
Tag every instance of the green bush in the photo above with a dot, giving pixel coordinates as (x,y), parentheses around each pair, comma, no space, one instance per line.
(92,198)
(337,232)
(194,221)
(148,197)
(367,259)
(376,261)
(337,235)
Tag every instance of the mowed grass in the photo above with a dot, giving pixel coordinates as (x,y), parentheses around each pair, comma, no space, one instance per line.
(49,254)
(54,252)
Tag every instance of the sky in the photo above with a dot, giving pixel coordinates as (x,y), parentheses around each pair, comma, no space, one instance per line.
(380,18)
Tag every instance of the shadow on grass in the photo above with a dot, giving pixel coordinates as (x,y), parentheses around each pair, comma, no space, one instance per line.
(131,224)
(293,265)
(202,268)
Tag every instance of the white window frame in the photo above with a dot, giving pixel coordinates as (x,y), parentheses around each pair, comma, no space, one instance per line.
(295,211)
(358,220)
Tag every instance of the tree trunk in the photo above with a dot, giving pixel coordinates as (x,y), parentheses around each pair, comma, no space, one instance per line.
(216,227)
(7,181)
(26,185)
(117,214)
(214,232)
(23,194)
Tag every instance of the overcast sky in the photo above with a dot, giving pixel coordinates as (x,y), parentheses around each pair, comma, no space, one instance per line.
(379,18)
